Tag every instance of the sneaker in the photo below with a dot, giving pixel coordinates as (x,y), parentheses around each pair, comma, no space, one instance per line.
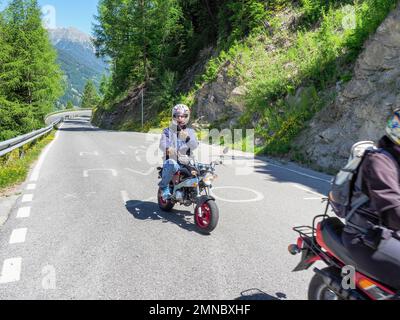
(166,194)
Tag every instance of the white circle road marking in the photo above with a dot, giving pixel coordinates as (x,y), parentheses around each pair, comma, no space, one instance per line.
(259,195)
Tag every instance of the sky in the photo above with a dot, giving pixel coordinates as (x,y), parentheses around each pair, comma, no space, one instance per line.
(67,13)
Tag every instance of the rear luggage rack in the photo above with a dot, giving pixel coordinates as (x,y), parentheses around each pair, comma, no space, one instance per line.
(306,231)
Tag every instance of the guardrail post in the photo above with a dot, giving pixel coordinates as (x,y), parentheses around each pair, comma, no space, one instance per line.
(21,152)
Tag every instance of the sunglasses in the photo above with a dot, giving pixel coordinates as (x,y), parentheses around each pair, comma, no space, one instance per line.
(181,116)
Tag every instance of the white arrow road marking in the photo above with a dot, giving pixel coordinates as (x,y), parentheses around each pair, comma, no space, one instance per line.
(27,198)
(18,236)
(146,173)
(11,270)
(86,172)
(24,212)
(95,153)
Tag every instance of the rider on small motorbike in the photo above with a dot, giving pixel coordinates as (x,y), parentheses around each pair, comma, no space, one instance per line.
(177,143)
(378,250)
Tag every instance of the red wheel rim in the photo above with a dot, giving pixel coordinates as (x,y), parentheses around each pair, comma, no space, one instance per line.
(161,199)
(203,221)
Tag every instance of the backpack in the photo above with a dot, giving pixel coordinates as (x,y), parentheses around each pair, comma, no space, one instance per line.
(346,196)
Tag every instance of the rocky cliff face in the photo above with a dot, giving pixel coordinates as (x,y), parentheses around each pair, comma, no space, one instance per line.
(125,113)
(219,101)
(362,106)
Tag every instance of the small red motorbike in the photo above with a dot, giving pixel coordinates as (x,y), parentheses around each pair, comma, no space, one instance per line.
(323,242)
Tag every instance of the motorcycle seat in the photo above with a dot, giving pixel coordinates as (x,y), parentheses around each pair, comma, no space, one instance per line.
(185,172)
(332,229)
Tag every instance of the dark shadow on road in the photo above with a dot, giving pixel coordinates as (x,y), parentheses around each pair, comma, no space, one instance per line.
(79,126)
(150,211)
(281,173)
(257,294)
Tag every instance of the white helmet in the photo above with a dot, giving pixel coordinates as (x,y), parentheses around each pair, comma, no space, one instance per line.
(181,109)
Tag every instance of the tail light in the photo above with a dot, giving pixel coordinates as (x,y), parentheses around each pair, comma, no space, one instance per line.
(294,249)
(373,290)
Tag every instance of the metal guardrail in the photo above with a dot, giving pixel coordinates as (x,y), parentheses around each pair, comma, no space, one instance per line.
(15,143)
(67,111)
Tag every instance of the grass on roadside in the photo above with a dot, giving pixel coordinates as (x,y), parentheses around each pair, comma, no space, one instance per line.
(14,170)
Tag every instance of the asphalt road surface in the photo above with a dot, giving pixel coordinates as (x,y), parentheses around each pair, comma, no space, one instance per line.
(87,226)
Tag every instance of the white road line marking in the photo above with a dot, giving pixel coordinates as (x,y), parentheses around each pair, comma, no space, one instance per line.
(86,172)
(125,196)
(73,196)
(95,153)
(27,198)
(123,153)
(312,198)
(11,271)
(18,236)
(36,171)
(24,212)
(31,186)
(307,190)
(146,173)
(299,173)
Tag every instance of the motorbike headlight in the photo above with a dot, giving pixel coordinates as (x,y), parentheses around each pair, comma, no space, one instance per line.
(209,178)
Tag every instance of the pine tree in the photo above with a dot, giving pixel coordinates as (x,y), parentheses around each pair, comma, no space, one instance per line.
(70,105)
(90,97)
(30,76)
(136,34)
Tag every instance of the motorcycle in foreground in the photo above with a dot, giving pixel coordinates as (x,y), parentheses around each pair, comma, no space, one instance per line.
(191,185)
(323,242)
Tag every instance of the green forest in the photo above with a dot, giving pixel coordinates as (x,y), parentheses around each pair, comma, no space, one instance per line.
(153,42)
(30,79)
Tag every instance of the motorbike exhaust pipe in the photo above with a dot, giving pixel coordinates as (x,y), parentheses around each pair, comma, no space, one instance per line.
(335,284)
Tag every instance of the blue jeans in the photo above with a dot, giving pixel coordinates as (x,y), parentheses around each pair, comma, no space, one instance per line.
(169,169)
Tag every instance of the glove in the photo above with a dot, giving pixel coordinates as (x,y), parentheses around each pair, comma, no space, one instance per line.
(184,136)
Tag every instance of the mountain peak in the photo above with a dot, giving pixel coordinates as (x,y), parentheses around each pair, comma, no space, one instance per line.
(76,55)
(70,34)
